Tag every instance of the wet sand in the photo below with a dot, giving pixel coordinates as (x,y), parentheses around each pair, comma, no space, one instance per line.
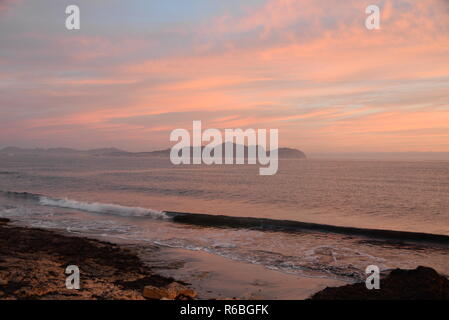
(215,277)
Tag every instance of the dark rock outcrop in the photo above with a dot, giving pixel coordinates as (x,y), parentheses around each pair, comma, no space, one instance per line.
(422,283)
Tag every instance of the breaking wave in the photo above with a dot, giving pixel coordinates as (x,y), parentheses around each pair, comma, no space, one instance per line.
(106,208)
(94,207)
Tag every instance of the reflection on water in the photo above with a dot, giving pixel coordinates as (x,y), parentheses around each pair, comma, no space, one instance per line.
(411,196)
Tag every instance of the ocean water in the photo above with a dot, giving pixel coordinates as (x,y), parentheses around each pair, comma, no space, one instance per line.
(314,218)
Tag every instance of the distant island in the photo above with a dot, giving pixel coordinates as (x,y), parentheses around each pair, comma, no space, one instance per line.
(283,153)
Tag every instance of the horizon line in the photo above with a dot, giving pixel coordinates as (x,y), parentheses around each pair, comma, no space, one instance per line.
(280,147)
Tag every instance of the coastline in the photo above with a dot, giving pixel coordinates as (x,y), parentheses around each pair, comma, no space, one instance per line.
(33,263)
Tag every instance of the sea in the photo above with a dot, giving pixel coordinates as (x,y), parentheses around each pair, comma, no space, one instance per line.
(318,218)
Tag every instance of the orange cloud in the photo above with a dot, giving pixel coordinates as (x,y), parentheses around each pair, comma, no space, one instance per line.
(309,68)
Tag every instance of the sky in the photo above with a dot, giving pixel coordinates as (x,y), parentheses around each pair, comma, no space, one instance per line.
(138,69)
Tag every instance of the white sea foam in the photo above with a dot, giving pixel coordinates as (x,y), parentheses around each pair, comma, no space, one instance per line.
(106,208)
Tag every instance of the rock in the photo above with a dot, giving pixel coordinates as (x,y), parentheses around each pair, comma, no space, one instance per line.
(4,221)
(422,283)
(173,291)
(155,293)
(178,291)
(33,264)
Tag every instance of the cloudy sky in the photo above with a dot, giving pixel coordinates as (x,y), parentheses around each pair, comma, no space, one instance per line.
(138,69)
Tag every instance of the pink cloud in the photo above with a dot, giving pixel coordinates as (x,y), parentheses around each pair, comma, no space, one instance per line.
(294,66)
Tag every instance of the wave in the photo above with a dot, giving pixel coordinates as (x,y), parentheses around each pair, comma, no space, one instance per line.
(298,226)
(221,221)
(107,208)
(94,207)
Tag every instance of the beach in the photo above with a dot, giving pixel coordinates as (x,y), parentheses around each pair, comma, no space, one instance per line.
(215,277)
(33,263)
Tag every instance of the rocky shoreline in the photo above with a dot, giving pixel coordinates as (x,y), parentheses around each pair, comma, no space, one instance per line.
(33,264)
